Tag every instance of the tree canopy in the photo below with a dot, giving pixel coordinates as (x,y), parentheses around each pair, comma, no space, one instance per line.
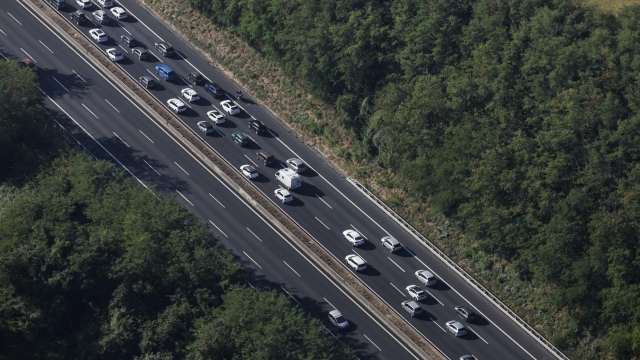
(516,118)
(94,266)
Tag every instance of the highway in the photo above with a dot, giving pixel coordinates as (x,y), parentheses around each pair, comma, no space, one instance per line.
(325,206)
(77,93)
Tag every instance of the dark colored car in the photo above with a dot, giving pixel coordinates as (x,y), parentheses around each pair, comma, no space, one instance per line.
(78,17)
(164,49)
(196,77)
(265,156)
(147,81)
(257,126)
(214,89)
(129,40)
(29,64)
(465,313)
(240,138)
(140,53)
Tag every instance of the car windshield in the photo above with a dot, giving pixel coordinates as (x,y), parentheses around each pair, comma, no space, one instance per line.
(171,73)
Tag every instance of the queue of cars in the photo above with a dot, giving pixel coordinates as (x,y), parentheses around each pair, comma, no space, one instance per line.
(288,177)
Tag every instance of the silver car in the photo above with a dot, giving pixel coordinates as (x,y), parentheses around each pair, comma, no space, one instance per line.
(456,328)
(426,277)
(391,244)
(296,165)
(412,308)
(338,320)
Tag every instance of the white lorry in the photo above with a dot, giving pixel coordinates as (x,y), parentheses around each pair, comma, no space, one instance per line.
(289,178)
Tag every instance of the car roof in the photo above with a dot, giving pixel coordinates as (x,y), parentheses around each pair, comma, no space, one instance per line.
(284,191)
(296,161)
(456,324)
(426,273)
(357,259)
(164,67)
(248,167)
(335,313)
(414,287)
(412,303)
(391,239)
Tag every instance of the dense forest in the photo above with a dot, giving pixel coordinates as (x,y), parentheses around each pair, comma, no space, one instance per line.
(517,119)
(93,266)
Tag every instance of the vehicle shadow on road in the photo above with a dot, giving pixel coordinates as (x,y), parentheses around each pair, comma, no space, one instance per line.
(368,246)
(370,271)
(440,286)
(403,253)
(309,190)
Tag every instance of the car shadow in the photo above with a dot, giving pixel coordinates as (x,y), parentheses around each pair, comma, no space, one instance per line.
(370,271)
(157,87)
(430,300)
(262,178)
(309,173)
(246,100)
(229,124)
(440,286)
(202,102)
(296,202)
(480,321)
(470,335)
(126,61)
(367,246)
(129,19)
(403,253)
(273,133)
(190,113)
(309,190)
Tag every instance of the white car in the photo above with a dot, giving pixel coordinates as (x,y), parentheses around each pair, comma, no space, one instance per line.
(356,262)
(283,195)
(101,16)
(353,237)
(296,165)
(176,105)
(98,35)
(249,172)
(216,117)
(338,320)
(416,293)
(205,127)
(190,94)
(119,13)
(114,55)
(105,3)
(84,3)
(426,277)
(457,328)
(230,107)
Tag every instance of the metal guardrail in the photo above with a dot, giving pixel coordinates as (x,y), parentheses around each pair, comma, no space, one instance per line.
(459,270)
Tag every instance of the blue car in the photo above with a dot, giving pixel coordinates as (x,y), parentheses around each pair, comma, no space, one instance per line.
(166,72)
